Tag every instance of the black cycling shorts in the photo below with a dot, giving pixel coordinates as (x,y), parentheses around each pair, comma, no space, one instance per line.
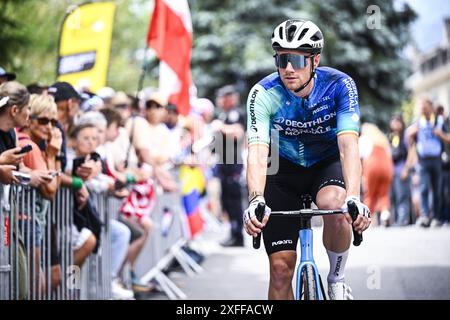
(283,191)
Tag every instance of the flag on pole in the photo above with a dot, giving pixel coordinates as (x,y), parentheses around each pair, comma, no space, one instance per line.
(192,186)
(170,35)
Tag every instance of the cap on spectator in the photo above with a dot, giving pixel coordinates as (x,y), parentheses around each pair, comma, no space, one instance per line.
(226,90)
(120,99)
(92,103)
(63,91)
(8,75)
(106,93)
(202,106)
(172,108)
(156,97)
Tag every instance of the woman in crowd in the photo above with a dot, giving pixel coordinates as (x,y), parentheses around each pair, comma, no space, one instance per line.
(377,170)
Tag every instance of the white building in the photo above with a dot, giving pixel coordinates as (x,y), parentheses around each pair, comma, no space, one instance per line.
(431,76)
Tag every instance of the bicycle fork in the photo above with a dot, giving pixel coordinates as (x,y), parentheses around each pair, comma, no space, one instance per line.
(306,258)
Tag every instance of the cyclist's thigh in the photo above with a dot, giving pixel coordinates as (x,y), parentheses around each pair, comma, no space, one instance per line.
(327,173)
(281,233)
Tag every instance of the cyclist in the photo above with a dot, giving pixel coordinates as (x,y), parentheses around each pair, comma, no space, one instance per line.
(316,115)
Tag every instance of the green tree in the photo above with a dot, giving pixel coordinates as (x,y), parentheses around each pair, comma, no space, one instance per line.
(232,44)
(30,41)
(232,41)
(365,39)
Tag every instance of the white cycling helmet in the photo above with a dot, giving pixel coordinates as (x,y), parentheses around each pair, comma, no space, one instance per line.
(297,34)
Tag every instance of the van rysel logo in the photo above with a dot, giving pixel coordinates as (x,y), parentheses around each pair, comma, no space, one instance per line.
(338,266)
(280,242)
(252,111)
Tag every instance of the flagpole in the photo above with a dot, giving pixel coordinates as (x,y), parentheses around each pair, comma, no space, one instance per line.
(143,73)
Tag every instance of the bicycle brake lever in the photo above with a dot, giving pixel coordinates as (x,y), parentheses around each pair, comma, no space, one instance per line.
(259,215)
(353,211)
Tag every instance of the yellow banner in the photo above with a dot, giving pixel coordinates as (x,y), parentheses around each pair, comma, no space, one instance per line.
(85,44)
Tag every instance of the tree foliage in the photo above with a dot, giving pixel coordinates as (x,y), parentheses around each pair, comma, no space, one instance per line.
(29,32)
(231,43)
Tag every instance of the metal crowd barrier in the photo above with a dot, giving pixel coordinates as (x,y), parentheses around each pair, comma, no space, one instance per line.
(27,224)
(164,245)
(20,220)
(96,271)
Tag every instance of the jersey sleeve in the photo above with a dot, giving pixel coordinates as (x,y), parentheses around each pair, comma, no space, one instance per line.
(258,116)
(347,110)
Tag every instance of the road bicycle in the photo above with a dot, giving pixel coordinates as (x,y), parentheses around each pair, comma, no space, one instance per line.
(309,284)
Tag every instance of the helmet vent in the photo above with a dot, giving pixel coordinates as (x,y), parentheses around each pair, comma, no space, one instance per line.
(316,37)
(280,31)
(302,34)
(290,32)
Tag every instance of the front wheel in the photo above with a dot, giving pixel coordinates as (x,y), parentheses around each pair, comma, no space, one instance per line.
(309,291)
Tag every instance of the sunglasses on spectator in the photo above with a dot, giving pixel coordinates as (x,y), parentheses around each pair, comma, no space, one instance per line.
(152,104)
(44,121)
(297,61)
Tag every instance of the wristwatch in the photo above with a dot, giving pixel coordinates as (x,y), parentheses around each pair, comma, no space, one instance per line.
(254,194)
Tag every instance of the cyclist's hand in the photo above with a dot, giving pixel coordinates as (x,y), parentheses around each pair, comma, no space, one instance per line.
(363,220)
(251,224)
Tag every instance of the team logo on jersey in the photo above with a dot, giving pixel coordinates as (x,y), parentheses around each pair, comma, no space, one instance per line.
(278,120)
(321,108)
(252,111)
(291,127)
(352,93)
(321,103)
(278,127)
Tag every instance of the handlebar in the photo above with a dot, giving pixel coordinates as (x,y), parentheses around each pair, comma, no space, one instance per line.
(259,215)
(308,213)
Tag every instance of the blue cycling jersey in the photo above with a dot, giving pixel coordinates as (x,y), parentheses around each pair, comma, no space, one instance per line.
(307,129)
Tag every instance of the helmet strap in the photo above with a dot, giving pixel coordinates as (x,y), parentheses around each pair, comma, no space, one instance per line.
(313,72)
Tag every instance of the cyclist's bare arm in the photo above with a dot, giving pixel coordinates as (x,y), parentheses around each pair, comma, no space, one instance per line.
(351,170)
(256,176)
(351,163)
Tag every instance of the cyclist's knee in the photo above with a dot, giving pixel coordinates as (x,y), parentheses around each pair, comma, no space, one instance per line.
(330,198)
(281,271)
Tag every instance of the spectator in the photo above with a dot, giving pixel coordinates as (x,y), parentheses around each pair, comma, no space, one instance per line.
(429,150)
(152,149)
(229,125)
(41,128)
(110,154)
(444,135)
(68,101)
(400,190)
(107,94)
(35,88)
(85,138)
(377,170)
(14,112)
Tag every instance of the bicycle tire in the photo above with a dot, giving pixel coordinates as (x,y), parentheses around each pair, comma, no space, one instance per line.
(309,283)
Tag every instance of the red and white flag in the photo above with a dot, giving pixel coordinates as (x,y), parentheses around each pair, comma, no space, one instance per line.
(170,35)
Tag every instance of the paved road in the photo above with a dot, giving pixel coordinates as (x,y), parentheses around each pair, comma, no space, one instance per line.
(392,263)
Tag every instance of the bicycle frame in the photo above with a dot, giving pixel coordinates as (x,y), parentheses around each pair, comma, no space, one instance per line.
(305,236)
(307,258)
